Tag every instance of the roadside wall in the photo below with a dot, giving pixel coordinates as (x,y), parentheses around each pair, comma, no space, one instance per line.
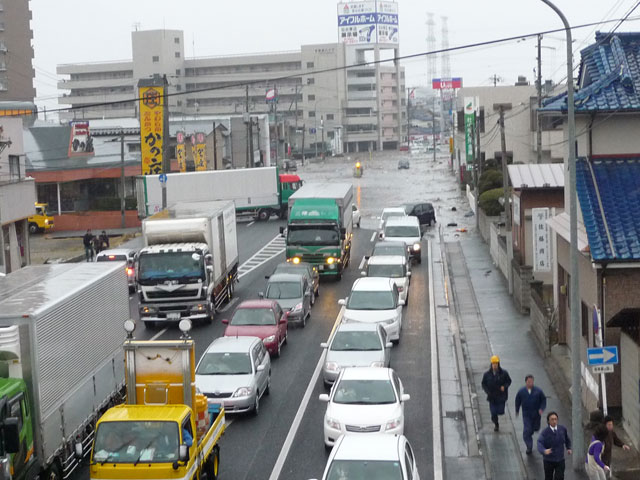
(95,220)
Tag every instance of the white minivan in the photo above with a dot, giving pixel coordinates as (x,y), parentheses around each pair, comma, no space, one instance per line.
(407,230)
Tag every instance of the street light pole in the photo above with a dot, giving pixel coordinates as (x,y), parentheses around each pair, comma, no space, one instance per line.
(574,298)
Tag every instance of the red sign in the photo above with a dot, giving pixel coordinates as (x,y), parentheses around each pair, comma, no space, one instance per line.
(446,83)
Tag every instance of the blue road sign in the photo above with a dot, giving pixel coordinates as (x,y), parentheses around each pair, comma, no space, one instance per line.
(162,177)
(312,130)
(602,355)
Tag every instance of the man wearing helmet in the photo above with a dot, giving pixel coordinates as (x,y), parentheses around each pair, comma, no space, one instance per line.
(495,383)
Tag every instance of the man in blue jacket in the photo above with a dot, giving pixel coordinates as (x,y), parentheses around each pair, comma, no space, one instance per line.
(533,402)
(551,444)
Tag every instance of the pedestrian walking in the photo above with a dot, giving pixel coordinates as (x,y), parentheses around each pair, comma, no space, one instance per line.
(495,383)
(551,444)
(87,241)
(533,402)
(611,440)
(103,242)
(596,469)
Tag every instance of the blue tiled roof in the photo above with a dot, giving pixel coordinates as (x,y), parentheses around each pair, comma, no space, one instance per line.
(609,78)
(614,229)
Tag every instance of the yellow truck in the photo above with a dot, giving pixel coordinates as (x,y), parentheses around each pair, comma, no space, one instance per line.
(164,430)
(41,221)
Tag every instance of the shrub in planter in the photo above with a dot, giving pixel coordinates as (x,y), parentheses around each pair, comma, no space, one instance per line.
(489,180)
(489,202)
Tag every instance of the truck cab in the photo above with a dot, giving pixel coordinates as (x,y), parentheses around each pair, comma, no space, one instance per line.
(289,184)
(41,221)
(165,430)
(17,429)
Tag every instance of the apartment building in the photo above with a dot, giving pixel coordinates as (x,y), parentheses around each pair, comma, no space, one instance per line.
(16,52)
(319,102)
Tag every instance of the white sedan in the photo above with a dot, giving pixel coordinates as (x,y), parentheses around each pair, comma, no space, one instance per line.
(375,457)
(356,215)
(364,400)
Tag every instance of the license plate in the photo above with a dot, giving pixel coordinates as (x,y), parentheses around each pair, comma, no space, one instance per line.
(173,316)
(321,267)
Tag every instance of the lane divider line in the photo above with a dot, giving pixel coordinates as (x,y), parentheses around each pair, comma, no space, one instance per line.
(161,332)
(271,250)
(361,266)
(373,236)
(435,379)
(286,446)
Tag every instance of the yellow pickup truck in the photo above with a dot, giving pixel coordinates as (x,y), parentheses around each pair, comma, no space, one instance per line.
(41,221)
(164,430)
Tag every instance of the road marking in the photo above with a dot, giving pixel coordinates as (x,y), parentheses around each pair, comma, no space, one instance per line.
(364,259)
(228,305)
(251,223)
(435,380)
(284,452)
(159,333)
(373,235)
(271,250)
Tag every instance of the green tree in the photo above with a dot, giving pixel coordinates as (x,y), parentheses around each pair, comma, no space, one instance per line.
(489,180)
(489,201)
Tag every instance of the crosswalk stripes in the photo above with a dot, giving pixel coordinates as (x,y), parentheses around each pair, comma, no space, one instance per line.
(272,249)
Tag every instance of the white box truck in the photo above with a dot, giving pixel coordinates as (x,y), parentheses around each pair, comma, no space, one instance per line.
(189,264)
(61,361)
(256,192)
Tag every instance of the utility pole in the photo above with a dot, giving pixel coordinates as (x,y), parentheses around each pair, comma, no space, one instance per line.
(251,159)
(474,155)
(538,118)
(322,128)
(408,119)
(259,150)
(506,195)
(304,130)
(275,119)
(296,115)
(247,121)
(122,180)
(495,78)
(215,147)
(433,127)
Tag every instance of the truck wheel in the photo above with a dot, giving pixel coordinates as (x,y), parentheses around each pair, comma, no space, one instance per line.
(213,464)
(33,228)
(264,214)
(230,288)
(54,472)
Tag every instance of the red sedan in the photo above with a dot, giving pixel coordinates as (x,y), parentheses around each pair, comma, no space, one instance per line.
(259,318)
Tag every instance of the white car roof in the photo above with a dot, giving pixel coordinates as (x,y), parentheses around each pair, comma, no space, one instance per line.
(366,373)
(387,260)
(406,220)
(357,327)
(394,209)
(372,446)
(368,284)
(232,344)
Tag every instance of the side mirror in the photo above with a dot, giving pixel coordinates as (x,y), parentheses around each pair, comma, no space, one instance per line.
(324,345)
(342,302)
(260,368)
(77,449)
(210,268)
(381,236)
(225,321)
(343,231)
(11,435)
(266,277)
(183,453)
(408,274)
(323,397)
(388,345)
(343,236)
(367,257)
(401,303)
(363,273)
(208,258)
(284,319)
(281,230)
(405,397)
(261,294)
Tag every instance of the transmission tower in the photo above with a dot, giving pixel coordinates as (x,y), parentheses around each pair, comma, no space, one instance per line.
(432,59)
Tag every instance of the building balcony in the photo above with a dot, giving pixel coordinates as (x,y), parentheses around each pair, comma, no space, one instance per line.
(67,84)
(67,99)
(361,120)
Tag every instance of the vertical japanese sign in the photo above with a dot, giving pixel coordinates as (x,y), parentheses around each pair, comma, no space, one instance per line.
(541,241)
(193,148)
(80,141)
(469,126)
(516,209)
(200,157)
(181,152)
(151,128)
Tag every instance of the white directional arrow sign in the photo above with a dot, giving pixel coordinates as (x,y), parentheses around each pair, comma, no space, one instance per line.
(602,355)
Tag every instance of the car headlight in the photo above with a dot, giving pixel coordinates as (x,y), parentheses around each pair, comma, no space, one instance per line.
(331,366)
(46,222)
(269,339)
(416,247)
(297,308)
(395,423)
(332,423)
(330,260)
(295,260)
(198,308)
(377,364)
(146,309)
(243,392)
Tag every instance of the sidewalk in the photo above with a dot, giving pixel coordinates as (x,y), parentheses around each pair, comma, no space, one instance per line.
(489,324)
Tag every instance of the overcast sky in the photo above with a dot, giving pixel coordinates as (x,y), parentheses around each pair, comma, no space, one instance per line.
(71,31)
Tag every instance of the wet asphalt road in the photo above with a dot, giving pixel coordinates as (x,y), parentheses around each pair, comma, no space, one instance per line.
(252,445)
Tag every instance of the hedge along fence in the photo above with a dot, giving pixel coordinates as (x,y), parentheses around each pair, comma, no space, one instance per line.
(490,179)
(489,201)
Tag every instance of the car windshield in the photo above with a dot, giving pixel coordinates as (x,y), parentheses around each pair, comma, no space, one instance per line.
(134,442)
(377,300)
(283,290)
(312,235)
(392,271)
(389,250)
(392,213)
(364,392)
(111,258)
(171,265)
(253,316)
(356,341)
(364,470)
(225,363)
(401,231)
